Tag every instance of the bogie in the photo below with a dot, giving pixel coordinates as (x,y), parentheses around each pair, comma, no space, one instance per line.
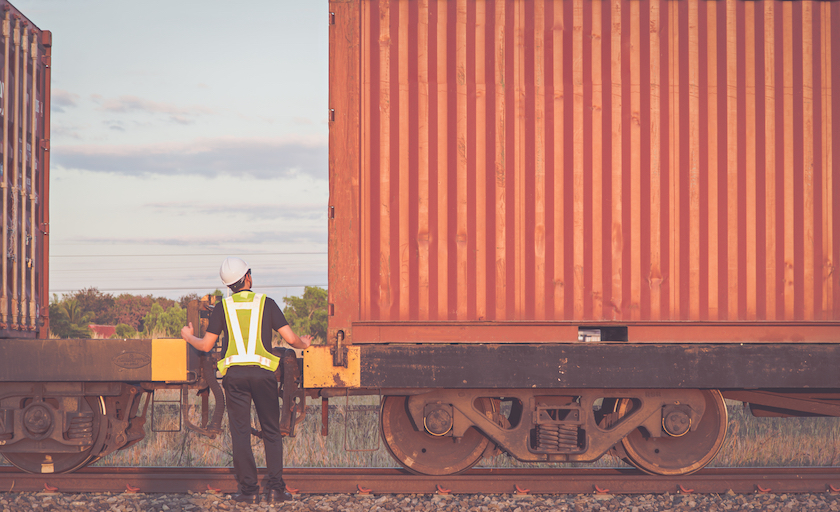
(555,426)
(53,434)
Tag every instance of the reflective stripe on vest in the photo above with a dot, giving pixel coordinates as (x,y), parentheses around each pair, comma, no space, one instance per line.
(238,352)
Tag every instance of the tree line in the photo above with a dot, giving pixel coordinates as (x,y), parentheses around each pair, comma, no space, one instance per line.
(146,316)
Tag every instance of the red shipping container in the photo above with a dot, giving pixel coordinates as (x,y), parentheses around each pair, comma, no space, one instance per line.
(507,170)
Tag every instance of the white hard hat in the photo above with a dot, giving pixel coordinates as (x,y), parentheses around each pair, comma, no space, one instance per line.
(233,269)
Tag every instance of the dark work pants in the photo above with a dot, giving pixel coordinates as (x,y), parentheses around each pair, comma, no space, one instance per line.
(242,385)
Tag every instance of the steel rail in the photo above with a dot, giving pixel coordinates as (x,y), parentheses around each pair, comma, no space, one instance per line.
(397,481)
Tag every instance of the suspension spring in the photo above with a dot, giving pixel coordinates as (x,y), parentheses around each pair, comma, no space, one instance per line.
(81,427)
(557,437)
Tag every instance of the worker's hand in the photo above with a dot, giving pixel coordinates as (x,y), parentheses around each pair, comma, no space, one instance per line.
(307,340)
(187,332)
(289,336)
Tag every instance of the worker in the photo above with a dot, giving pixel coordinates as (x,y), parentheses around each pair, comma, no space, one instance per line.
(248,368)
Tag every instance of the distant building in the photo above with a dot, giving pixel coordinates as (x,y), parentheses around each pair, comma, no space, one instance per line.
(103,331)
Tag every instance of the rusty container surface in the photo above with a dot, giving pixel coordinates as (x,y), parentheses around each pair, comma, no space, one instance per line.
(510,170)
(24,176)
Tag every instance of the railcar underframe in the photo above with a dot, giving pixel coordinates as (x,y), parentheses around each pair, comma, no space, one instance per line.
(659,406)
(66,403)
(445,406)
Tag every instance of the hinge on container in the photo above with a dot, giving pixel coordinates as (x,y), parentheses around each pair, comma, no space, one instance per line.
(45,144)
(332,18)
(332,114)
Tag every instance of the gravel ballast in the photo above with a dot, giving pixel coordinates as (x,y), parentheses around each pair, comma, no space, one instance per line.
(56,502)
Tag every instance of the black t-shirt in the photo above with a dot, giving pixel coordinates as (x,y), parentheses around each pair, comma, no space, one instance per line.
(273,320)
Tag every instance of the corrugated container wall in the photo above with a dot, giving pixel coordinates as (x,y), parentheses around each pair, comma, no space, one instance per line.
(584,161)
(24,184)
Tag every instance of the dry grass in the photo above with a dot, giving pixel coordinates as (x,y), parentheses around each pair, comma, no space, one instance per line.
(754,441)
(751,442)
(307,449)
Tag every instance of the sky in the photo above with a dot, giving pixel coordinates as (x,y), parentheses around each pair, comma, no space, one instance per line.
(184,131)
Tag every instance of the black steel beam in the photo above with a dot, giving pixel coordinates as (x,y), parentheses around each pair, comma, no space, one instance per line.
(602,365)
(79,360)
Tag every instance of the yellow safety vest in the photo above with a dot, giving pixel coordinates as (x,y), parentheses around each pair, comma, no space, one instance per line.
(243,314)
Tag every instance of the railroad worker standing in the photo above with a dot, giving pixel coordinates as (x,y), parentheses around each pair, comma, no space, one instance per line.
(248,367)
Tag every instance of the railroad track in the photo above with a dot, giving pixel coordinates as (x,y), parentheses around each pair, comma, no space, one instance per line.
(475,481)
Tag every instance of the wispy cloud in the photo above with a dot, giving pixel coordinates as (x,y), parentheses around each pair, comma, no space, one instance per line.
(61,99)
(259,158)
(133,104)
(286,212)
(60,130)
(309,240)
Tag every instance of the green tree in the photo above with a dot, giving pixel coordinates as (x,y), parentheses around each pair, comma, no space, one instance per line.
(308,314)
(160,322)
(71,314)
(185,300)
(59,324)
(99,305)
(131,309)
(68,319)
(125,331)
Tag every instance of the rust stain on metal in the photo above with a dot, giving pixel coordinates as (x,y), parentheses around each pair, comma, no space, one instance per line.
(338,381)
(561,367)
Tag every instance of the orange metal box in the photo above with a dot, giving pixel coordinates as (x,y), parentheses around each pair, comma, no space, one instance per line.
(24,175)
(507,170)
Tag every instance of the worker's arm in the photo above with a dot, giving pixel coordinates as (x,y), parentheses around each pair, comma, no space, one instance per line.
(293,339)
(204,344)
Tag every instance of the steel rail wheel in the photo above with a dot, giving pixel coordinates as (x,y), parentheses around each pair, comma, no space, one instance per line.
(683,455)
(423,453)
(65,462)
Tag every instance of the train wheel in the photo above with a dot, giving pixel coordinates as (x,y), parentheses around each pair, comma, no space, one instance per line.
(60,462)
(423,453)
(683,455)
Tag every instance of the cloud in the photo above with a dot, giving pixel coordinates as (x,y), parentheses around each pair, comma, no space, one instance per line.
(60,130)
(259,158)
(305,241)
(61,99)
(286,212)
(131,104)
